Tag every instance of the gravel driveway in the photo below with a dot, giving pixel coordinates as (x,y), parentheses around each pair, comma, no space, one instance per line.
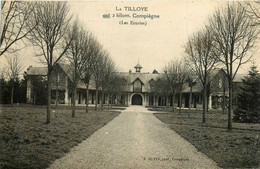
(135,139)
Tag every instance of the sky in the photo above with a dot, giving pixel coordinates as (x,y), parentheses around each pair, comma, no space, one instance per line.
(153,45)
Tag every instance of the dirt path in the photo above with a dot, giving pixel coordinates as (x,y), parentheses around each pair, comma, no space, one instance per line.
(134,139)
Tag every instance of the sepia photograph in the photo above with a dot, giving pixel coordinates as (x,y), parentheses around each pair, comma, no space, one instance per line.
(129,84)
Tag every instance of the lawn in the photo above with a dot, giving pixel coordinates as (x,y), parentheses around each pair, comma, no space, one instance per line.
(239,148)
(27,142)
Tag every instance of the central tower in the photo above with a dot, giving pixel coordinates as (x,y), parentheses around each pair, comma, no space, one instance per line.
(138,68)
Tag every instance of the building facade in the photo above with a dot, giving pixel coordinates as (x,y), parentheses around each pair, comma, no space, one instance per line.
(138,90)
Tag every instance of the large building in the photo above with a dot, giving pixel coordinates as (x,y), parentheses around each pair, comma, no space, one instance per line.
(138,90)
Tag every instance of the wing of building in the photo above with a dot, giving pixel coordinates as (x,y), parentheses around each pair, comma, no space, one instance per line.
(138,90)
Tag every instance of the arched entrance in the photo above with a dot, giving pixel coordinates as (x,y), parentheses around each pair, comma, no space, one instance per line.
(137,99)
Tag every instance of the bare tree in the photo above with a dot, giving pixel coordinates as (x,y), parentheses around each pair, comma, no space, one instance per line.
(14,18)
(91,52)
(162,87)
(98,70)
(182,75)
(191,80)
(234,37)
(253,10)
(201,57)
(14,68)
(48,35)
(171,72)
(224,88)
(117,85)
(108,75)
(76,57)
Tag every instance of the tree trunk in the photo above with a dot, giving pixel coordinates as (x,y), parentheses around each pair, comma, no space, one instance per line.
(12,93)
(96,99)
(48,118)
(208,95)
(34,98)
(207,105)
(167,104)
(57,98)
(180,102)
(102,100)
(224,99)
(190,100)
(204,104)
(87,98)
(73,97)
(230,105)
(173,106)
(108,105)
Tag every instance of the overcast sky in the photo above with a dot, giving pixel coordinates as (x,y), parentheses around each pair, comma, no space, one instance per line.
(153,45)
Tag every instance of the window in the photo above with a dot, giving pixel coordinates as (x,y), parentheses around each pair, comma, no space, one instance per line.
(137,86)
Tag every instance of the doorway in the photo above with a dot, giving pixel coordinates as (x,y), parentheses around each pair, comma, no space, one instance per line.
(137,99)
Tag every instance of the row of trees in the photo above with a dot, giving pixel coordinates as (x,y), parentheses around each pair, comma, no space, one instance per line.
(51,29)
(17,87)
(88,60)
(227,41)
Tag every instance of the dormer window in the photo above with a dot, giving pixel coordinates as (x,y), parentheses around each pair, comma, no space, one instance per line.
(137,85)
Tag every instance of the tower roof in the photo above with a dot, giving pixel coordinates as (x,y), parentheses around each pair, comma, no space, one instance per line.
(138,66)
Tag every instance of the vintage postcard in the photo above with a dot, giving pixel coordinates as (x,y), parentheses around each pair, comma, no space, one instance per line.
(130,84)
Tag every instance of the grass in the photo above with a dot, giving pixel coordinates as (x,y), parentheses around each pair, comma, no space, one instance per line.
(27,142)
(239,148)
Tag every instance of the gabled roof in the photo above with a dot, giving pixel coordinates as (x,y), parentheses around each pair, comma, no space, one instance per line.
(67,69)
(152,80)
(139,80)
(214,72)
(144,77)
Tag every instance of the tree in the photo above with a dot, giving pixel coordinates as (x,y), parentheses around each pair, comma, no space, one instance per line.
(14,18)
(234,37)
(253,10)
(14,68)
(249,99)
(90,56)
(175,78)
(117,86)
(201,57)
(39,90)
(182,74)
(162,87)
(53,23)
(98,70)
(191,80)
(108,75)
(76,56)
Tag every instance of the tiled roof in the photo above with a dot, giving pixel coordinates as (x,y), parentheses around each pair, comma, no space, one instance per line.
(213,73)
(143,77)
(195,89)
(67,69)
(38,71)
